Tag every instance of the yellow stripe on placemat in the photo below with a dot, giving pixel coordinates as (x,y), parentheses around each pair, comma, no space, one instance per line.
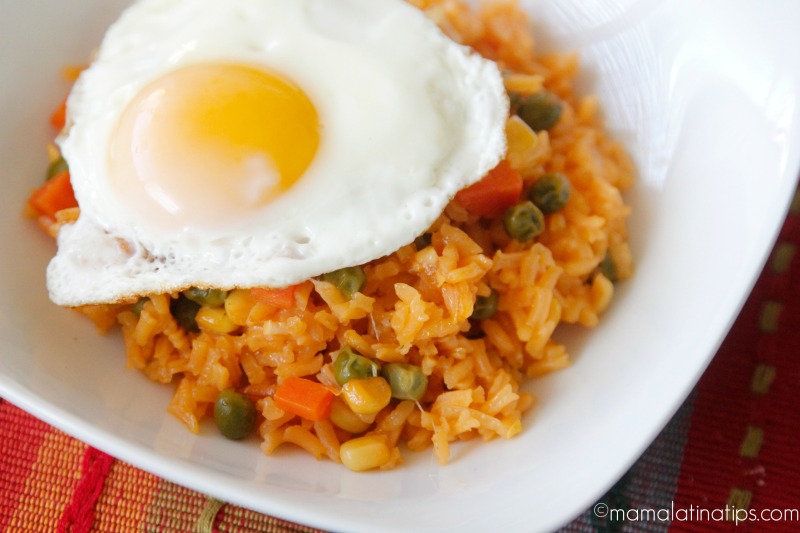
(173,508)
(49,488)
(135,500)
(125,500)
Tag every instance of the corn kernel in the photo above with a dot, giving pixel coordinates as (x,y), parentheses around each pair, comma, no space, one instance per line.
(524,84)
(344,418)
(53,152)
(366,396)
(238,305)
(365,453)
(523,149)
(214,320)
(601,293)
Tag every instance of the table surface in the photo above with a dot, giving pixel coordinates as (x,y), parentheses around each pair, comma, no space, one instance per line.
(728,455)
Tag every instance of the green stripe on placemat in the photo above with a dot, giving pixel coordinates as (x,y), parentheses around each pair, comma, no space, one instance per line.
(782,257)
(751,444)
(234,519)
(763,376)
(770,316)
(795,208)
(205,522)
(740,499)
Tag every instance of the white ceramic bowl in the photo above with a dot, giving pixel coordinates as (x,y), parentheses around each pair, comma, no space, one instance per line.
(704,95)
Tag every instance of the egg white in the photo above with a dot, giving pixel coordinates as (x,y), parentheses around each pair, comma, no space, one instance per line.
(408,118)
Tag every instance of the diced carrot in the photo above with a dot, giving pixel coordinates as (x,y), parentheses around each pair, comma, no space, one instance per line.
(54,195)
(497,191)
(59,116)
(305,398)
(281,298)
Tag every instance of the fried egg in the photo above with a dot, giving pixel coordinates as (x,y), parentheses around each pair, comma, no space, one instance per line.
(264,142)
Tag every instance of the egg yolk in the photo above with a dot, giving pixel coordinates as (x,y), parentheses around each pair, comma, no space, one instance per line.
(207,143)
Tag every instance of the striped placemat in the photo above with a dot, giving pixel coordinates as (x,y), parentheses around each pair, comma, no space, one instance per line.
(727,460)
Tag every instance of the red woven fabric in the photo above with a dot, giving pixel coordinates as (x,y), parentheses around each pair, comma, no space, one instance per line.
(17,457)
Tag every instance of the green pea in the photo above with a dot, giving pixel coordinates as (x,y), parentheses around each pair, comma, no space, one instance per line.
(540,111)
(234,414)
(485,306)
(550,193)
(206,297)
(185,310)
(349,280)
(352,365)
(523,221)
(138,305)
(423,241)
(57,167)
(407,382)
(608,268)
